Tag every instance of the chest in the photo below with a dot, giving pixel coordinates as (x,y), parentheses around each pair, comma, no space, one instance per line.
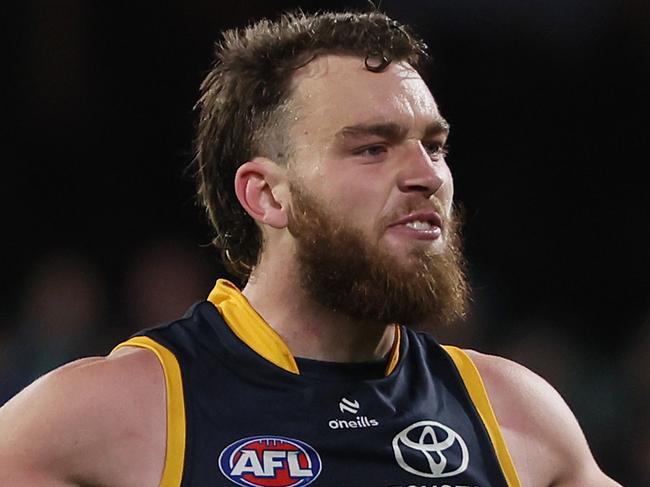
(258,429)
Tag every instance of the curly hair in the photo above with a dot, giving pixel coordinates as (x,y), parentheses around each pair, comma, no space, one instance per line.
(241,101)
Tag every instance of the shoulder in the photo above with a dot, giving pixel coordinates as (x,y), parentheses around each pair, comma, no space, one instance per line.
(522,400)
(537,424)
(83,422)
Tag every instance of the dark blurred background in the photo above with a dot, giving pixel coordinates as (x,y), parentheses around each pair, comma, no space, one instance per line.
(548,101)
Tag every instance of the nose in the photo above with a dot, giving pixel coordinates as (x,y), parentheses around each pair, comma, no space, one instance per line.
(420,172)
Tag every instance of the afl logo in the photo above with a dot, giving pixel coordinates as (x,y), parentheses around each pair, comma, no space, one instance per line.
(270,461)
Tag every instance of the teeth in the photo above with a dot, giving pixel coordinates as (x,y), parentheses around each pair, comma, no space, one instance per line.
(419,225)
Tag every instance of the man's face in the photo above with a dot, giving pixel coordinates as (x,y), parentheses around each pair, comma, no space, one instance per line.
(371,208)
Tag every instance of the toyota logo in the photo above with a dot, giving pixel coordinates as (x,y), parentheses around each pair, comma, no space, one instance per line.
(430,449)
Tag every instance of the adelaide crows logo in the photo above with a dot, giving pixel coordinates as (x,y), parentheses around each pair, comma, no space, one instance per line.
(270,461)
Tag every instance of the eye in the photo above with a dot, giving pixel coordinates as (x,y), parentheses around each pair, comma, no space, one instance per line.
(374,151)
(436,150)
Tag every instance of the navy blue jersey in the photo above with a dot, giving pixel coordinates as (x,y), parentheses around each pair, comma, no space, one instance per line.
(241,410)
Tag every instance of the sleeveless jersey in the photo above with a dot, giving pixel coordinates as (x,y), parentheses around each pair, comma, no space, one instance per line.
(240,412)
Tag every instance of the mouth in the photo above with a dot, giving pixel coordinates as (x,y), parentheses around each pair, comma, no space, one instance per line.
(422,225)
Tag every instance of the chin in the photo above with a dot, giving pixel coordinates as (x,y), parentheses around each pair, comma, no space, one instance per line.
(408,253)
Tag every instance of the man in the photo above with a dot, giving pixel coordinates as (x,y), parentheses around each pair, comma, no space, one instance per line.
(321,162)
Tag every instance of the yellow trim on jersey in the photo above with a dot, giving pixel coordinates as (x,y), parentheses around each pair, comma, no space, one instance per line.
(478,394)
(175,452)
(251,328)
(393,360)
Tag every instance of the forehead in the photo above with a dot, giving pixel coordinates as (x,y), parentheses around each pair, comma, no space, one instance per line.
(335,91)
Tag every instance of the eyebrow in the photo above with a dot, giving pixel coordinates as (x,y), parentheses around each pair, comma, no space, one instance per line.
(390,130)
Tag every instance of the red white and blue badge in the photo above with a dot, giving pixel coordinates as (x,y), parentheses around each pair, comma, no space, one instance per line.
(270,461)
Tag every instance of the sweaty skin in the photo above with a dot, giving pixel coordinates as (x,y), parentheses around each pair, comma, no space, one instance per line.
(101,421)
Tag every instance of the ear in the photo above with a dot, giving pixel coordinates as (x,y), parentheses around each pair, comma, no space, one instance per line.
(260,186)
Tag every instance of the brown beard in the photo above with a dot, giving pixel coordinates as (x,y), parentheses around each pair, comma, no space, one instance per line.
(341,271)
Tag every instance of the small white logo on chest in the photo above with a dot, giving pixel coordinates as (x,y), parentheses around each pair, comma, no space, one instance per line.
(351,407)
(347,406)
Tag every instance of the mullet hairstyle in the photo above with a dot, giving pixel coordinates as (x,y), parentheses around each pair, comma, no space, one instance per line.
(242,100)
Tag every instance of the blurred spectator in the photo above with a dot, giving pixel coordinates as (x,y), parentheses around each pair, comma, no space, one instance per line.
(165,278)
(60,318)
(65,313)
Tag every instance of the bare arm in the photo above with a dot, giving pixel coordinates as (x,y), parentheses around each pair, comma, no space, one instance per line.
(35,446)
(83,423)
(545,440)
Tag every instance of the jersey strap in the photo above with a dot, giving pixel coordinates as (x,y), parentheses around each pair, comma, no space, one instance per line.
(175,453)
(478,394)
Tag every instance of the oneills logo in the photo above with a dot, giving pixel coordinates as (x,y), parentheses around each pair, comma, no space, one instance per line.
(347,406)
(351,407)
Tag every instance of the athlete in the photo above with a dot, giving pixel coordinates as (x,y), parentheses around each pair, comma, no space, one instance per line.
(320,158)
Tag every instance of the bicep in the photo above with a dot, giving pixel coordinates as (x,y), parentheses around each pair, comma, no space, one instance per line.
(543,424)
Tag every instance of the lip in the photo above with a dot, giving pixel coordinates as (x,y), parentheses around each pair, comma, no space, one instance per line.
(431,217)
(425,216)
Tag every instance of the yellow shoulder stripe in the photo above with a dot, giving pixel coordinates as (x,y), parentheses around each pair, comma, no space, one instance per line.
(175,453)
(478,394)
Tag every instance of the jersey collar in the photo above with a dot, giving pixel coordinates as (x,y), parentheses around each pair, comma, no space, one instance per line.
(251,328)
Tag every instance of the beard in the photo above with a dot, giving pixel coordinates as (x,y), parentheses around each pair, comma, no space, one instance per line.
(342,271)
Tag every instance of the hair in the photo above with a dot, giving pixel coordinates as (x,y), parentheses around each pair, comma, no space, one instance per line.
(241,104)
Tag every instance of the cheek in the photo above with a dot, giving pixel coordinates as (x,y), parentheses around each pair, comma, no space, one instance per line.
(446,191)
(356,203)
(358,206)
(352,190)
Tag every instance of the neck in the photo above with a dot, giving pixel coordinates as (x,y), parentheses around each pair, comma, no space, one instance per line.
(309,329)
